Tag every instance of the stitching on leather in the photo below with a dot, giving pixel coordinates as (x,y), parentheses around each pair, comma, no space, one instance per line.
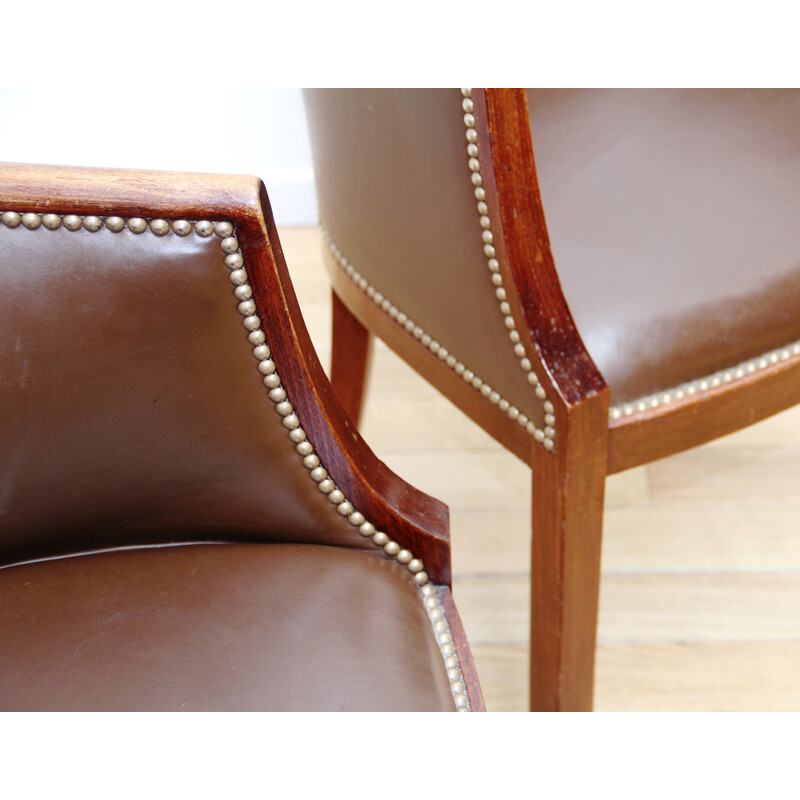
(238,276)
(704,384)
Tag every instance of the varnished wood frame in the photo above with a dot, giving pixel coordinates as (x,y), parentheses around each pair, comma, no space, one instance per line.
(418,521)
(568,483)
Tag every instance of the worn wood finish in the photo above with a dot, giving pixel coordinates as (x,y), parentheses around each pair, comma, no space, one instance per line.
(351,348)
(568,484)
(538,304)
(415,519)
(130,193)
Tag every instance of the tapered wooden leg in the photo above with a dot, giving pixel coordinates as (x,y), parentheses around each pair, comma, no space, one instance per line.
(568,487)
(351,348)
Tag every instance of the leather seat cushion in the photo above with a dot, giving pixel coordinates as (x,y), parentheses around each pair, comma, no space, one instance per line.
(673,221)
(231,627)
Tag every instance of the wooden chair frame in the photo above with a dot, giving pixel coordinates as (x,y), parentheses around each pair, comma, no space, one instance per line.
(568,480)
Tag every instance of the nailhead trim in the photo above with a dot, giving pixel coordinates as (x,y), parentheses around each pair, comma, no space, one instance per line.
(427,341)
(544,436)
(704,384)
(243,292)
(547,435)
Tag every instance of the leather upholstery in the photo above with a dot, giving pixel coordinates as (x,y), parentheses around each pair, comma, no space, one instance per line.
(133,411)
(394,193)
(134,417)
(234,627)
(672,218)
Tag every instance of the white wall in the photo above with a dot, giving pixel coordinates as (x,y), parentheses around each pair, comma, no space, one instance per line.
(187,128)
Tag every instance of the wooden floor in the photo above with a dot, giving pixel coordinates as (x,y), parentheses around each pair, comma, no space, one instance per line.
(700,597)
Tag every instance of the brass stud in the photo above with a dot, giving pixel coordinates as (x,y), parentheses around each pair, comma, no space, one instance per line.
(11,219)
(243,292)
(92,223)
(135,224)
(229,245)
(182,227)
(392,548)
(51,221)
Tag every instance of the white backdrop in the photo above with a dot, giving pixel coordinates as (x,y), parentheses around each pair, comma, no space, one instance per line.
(253,131)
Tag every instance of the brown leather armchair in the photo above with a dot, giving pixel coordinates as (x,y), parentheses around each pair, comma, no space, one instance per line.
(633,293)
(188,520)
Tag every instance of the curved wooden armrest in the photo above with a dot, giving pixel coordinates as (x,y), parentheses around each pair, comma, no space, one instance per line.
(420,520)
(524,248)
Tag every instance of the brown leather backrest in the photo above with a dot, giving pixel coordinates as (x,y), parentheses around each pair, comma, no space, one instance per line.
(397,199)
(133,404)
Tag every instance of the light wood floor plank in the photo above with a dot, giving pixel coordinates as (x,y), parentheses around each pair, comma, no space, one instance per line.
(662,677)
(710,607)
(745,477)
(722,538)
(640,540)
(698,677)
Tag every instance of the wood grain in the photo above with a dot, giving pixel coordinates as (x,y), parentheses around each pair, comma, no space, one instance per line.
(708,607)
(663,677)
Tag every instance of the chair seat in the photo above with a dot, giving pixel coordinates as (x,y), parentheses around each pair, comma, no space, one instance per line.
(672,218)
(231,627)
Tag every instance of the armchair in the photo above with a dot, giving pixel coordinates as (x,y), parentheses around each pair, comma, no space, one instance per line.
(188,520)
(633,292)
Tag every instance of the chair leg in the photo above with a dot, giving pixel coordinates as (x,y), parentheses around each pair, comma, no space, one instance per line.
(567,511)
(351,348)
